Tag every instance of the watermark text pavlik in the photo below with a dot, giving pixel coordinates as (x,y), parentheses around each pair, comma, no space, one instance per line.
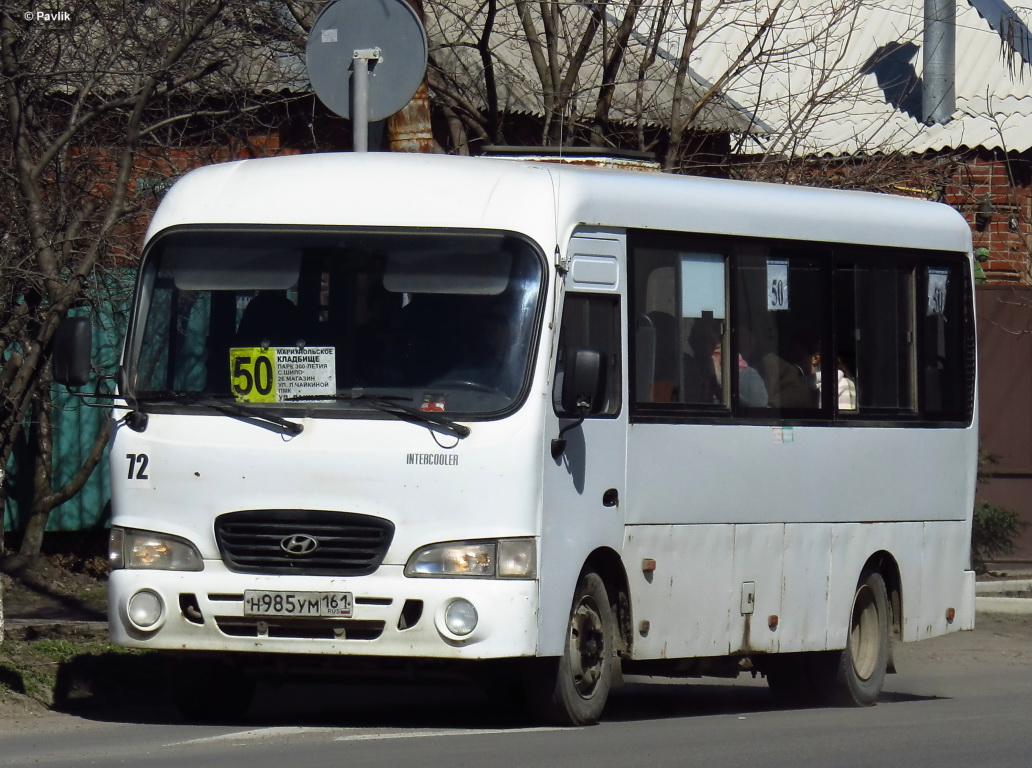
(47,17)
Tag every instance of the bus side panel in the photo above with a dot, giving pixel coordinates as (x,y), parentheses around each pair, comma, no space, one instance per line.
(944,582)
(759,558)
(741,473)
(852,544)
(803,623)
(695,599)
(688,599)
(932,560)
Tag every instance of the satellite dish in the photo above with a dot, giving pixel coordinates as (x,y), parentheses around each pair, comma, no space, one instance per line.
(386,35)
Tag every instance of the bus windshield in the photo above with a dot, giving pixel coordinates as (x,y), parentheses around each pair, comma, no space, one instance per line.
(321,320)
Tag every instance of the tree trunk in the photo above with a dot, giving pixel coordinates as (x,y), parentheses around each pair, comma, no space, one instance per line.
(3,507)
(43,438)
(45,500)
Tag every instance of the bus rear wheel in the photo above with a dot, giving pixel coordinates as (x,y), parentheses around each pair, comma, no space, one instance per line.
(859,672)
(572,690)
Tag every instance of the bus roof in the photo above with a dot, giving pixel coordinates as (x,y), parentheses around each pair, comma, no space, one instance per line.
(546,201)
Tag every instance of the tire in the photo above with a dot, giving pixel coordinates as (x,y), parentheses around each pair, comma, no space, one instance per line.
(209,691)
(572,689)
(857,677)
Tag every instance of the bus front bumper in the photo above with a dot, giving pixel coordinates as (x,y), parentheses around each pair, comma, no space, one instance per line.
(391,615)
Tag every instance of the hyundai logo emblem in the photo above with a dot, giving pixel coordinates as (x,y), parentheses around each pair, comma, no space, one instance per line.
(299,544)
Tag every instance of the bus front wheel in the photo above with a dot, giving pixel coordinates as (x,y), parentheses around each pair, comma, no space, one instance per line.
(572,689)
(859,671)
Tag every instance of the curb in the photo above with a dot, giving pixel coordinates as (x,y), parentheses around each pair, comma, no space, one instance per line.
(1014,588)
(23,629)
(1011,597)
(1011,605)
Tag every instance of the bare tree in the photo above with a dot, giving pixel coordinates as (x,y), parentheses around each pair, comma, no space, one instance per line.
(97,100)
(625,74)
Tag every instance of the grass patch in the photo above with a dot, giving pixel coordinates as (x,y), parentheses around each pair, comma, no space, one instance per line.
(64,673)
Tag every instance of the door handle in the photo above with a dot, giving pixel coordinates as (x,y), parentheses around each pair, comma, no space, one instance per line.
(611,498)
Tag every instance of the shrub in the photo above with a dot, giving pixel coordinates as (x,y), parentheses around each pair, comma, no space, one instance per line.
(993,531)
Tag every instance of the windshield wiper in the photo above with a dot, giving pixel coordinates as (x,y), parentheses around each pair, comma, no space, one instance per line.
(233,409)
(390,404)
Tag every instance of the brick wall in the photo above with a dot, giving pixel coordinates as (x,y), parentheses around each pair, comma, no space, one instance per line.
(994,193)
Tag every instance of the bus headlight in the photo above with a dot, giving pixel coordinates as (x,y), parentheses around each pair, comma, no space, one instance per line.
(491,559)
(155,551)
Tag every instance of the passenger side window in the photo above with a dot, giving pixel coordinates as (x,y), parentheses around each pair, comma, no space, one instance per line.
(591,321)
(765,330)
(780,334)
(947,352)
(680,328)
(875,333)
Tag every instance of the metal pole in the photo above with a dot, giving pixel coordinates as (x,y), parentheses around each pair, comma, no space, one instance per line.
(940,36)
(360,97)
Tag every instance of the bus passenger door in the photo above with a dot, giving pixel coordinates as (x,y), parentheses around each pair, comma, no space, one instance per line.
(584,483)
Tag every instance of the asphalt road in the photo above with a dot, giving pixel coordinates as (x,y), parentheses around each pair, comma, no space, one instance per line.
(962,700)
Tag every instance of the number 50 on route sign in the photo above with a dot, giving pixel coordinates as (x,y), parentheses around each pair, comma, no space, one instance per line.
(253,374)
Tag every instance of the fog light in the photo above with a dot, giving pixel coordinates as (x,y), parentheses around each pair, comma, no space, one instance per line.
(460,617)
(145,609)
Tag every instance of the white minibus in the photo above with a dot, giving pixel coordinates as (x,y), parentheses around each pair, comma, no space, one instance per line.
(537,425)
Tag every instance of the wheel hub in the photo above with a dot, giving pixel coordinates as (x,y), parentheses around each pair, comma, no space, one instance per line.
(864,635)
(587,643)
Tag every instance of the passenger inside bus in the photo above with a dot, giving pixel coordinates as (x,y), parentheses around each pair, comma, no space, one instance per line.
(845,397)
(704,369)
(785,380)
(665,376)
(270,319)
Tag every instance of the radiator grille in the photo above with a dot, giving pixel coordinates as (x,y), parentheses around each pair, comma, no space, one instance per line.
(302,541)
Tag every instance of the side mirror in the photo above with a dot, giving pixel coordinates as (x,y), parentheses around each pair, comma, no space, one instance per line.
(584,382)
(584,386)
(73,347)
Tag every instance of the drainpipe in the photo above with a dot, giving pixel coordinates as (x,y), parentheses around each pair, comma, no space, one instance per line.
(939,98)
(408,130)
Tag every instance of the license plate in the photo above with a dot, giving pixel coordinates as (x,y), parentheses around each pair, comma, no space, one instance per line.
(261,603)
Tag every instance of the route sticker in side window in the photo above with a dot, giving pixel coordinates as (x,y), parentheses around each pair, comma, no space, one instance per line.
(777,284)
(937,282)
(280,374)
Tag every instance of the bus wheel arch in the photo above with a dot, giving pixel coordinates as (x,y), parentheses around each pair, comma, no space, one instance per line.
(884,563)
(607,564)
(856,674)
(572,689)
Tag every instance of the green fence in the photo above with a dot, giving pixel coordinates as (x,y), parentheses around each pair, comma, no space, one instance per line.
(75,424)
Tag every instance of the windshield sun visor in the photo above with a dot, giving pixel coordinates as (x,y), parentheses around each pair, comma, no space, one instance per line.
(472,274)
(226,268)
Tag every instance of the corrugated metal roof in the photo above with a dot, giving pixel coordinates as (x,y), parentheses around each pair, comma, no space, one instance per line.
(1008,25)
(856,94)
